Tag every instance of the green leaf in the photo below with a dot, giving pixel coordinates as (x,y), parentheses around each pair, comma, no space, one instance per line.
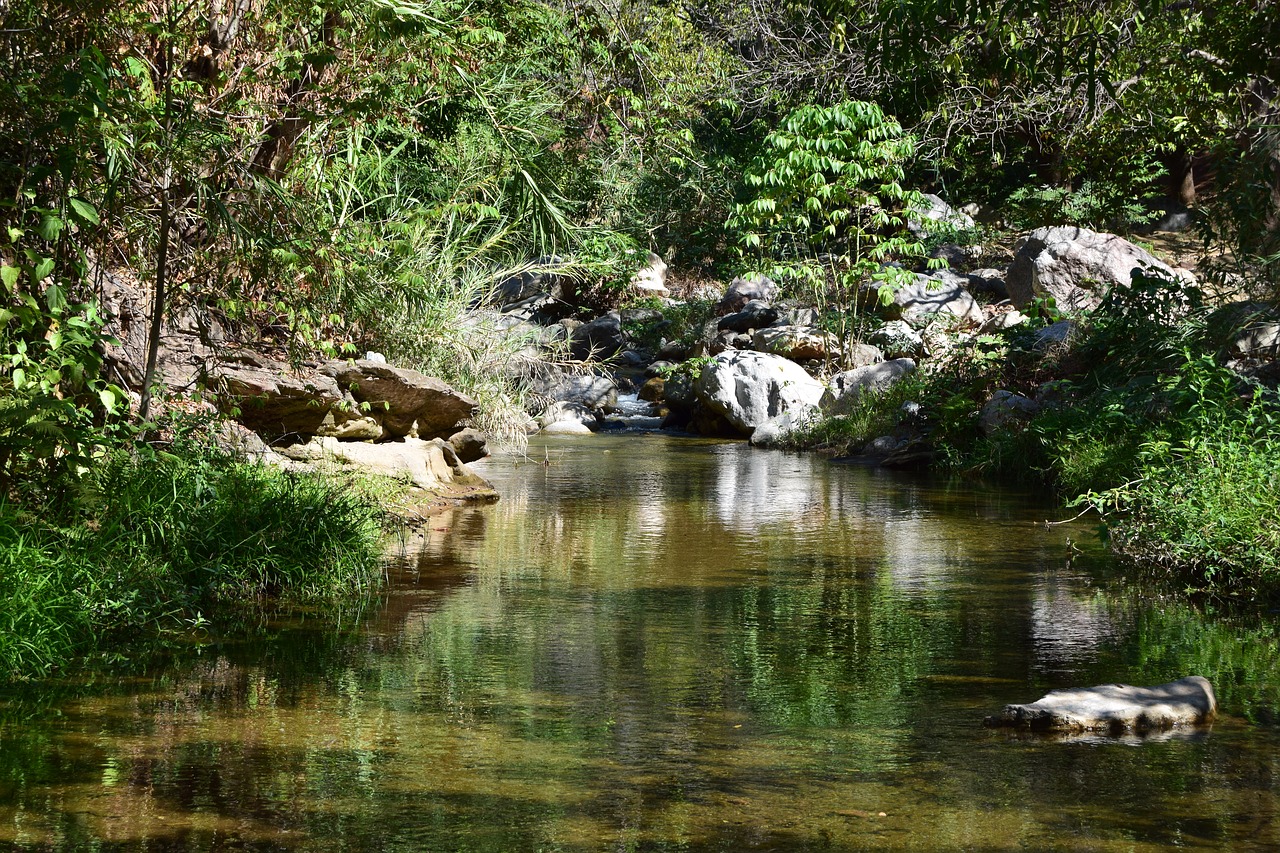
(19,378)
(55,298)
(84,210)
(43,267)
(108,398)
(9,276)
(50,227)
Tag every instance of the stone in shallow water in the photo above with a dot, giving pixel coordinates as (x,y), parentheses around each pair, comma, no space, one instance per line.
(1116,708)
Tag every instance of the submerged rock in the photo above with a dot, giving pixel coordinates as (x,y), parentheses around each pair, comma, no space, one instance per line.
(1116,708)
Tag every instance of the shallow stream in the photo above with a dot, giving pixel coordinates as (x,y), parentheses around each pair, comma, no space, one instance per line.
(661,644)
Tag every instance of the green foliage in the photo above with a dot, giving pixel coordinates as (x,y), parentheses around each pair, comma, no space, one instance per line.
(54,408)
(877,413)
(830,180)
(154,541)
(1120,201)
(828,208)
(1204,488)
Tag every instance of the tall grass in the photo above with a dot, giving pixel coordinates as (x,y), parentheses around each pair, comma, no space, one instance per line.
(156,541)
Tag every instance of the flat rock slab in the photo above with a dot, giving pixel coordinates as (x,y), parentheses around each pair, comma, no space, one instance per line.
(1116,708)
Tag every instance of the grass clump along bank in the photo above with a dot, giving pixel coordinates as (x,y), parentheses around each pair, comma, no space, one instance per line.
(1134,415)
(156,542)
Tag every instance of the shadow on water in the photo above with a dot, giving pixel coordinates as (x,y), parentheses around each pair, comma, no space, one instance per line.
(663,645)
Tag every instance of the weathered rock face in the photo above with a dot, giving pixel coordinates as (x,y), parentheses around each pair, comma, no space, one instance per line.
(756,314)
(601,338)
(862,355)
(359,401)
(274,399)
(190,340)
(402,399)
(470,444)
(941,296)
(1075,267)
(847,387)
(795,342)
(743,290)
(1116,708)
(429,465)
(748,388)
(651,279)
(898,340)
(1003,409)
(934,212)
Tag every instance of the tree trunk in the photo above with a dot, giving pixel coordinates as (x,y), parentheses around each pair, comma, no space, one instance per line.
(159,298)
(1182,178)
(281,134)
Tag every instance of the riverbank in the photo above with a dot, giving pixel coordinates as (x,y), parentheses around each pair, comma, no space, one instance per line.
(1082,364)
(672,643)
(150,543)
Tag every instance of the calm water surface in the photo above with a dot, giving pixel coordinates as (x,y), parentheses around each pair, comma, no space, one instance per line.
(657,644)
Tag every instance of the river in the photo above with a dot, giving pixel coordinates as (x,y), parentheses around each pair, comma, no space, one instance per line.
(665,644)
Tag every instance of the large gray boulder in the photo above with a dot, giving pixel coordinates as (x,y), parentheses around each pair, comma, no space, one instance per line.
(941,296)
(1076,267)
(756,314)
(847,387)
(743,290)
(933,212)
(598,393)
(1116,708)
(748,388)
(601,338)
(272,398)
(404,401)
(797,343)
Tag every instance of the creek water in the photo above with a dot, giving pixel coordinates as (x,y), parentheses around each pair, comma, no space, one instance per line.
(662,644)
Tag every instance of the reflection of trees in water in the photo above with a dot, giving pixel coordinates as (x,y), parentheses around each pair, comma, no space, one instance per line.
(639,646)
(1069,625)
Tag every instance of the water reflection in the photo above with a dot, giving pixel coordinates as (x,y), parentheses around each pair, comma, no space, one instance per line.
(654,645)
